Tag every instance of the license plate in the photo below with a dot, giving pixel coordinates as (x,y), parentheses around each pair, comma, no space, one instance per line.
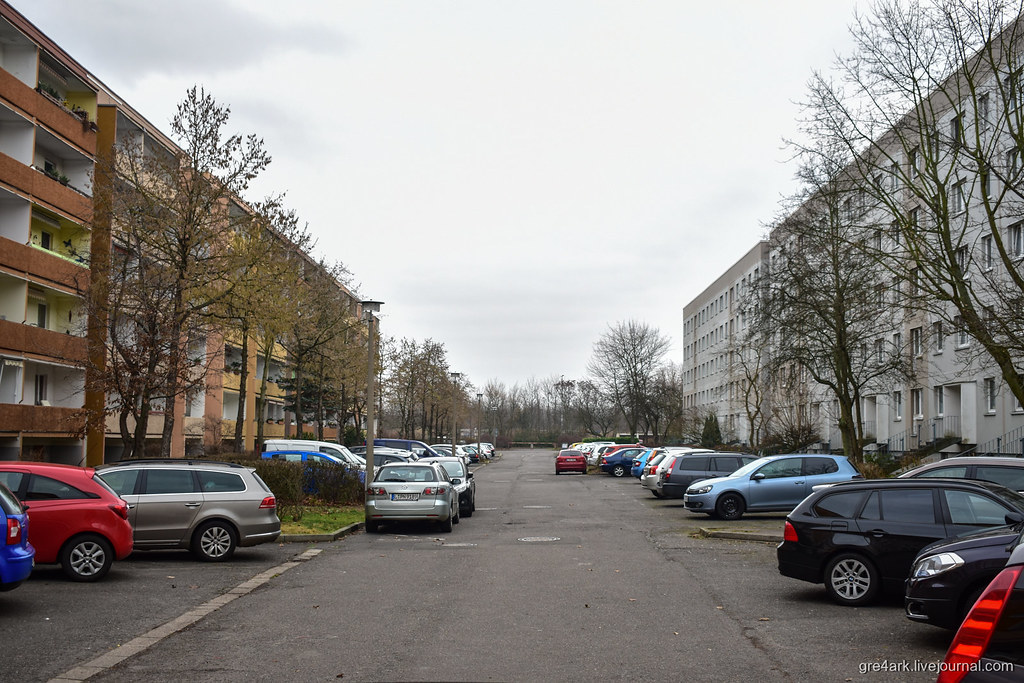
(405,496)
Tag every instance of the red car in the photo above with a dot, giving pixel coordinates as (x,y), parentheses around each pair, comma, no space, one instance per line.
(74,517)
(570,461)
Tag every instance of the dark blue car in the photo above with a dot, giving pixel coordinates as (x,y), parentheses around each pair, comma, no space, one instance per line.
(16,554)
(620,462)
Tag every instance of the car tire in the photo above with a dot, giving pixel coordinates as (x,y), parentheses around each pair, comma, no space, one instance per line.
(214,541)
(457,514)
(657,494)
(86,558)
(468,512)
(618,471)
(446,525)
(372,526)
(730,506)
(852,580)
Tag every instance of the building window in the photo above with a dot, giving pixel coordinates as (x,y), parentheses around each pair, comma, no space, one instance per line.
(990,394)
(914,163)
(986,252)
(938,337)
(915,281)
(879,351)
(1016,247)
(41,315)
(983,111)
(46,240)
(914,217)
(894,229)
(40,393)
(1012,163)
(939,401)
(958,199)
(954,131)
(962,337)
(961,260)
(897,405)
(915,342)
(917,402)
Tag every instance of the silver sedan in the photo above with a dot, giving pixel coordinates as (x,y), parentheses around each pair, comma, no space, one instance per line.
(403,491)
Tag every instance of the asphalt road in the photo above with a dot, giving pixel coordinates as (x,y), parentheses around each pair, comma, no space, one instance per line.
(554,578)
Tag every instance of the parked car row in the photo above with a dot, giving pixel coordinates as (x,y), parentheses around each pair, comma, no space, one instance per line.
(938,534)
(85,518)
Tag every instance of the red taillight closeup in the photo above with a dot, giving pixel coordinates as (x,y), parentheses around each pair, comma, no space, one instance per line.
(120,509)
(972,638)
(13,531)
(269,503)
(376,491)
(789,533)
(434,491)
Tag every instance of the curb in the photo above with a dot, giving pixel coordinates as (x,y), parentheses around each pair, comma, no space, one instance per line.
(321,538)
(741,535)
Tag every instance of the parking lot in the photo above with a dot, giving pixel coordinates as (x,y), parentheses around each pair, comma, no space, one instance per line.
(558,577)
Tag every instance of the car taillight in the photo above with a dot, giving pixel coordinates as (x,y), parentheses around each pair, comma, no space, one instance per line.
(120,509)
(13,531)
(376,491)
(268,503)
(434,491)
(668,470)
(789,533)
(972,638)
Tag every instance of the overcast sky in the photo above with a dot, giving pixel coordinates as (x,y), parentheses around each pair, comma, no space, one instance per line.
(509,177)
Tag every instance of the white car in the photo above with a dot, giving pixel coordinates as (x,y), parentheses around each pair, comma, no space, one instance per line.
(650,478)
(594,456)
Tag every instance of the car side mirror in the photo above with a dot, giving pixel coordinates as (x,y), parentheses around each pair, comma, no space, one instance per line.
(469,475)
(456,481)
(1014,518)
(757,477)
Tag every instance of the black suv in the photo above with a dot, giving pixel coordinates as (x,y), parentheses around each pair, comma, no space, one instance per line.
(689,468)
(859,537)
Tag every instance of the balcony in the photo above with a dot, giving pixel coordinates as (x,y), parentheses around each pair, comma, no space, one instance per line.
(45,189)
(43,266)
(48,112)
(41,420)
(41,343)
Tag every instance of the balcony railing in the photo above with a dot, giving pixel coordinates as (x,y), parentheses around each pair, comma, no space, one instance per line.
(17,418)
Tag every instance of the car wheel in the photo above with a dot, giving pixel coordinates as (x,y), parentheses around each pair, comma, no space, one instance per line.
(458,514)
(657,494)
(468,512)
(618,471)
(86,558)
(850,579)
(214,541)
(372,526)
(446,525)
(730,506)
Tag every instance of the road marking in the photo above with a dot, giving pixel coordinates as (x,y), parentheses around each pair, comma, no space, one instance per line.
(540,539)
(147,640)
(536,507)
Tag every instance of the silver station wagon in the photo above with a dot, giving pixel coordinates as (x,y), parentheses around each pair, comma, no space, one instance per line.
(420,490)
(208,507)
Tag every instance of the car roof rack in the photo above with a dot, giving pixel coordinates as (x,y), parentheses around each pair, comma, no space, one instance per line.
(174,461)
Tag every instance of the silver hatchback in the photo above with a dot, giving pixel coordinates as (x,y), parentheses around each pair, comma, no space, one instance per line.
(421,490)
(208,507)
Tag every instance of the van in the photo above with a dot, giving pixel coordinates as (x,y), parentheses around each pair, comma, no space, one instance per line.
(335,449)
(421,449)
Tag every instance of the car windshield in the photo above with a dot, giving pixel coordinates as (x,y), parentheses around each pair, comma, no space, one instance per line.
(657,458)
(8,502)
(454,469)
(750,467)
(404,473)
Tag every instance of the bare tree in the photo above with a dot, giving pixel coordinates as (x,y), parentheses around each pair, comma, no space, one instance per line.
(624,364)
(929,112)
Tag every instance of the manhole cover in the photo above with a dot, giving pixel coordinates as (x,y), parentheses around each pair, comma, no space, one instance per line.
(540,539)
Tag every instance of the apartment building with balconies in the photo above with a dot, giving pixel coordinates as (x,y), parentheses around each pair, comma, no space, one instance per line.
(48,107)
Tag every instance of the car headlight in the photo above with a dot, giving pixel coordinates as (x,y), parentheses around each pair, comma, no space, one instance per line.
(699,491)
(935,564)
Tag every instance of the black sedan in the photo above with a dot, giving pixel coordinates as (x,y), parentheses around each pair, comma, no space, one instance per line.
(859,537)
(948,576)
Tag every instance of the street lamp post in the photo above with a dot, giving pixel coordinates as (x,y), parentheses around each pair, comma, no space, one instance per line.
(455,405)
(369,308)
(479,403)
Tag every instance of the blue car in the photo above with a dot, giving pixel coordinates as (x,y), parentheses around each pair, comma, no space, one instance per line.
(620,461)
(311,456)
(16,555)
(773,484)
(640,461)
